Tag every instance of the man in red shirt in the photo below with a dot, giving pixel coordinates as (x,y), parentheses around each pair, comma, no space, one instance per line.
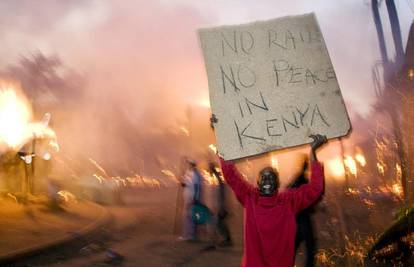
(269,215)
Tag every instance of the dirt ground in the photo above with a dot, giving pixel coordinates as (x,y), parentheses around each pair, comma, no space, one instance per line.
(142,233)
(34,224)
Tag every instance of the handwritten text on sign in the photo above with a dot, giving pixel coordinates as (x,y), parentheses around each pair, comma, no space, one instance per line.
(271,85)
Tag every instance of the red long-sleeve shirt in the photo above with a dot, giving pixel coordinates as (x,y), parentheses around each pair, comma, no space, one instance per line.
(269,222)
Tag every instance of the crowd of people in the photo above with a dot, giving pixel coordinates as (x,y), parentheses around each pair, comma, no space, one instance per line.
(195,211)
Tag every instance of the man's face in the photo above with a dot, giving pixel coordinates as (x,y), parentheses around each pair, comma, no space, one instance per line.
(267,182)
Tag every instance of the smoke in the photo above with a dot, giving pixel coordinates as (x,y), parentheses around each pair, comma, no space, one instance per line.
(131,72)
(120,91)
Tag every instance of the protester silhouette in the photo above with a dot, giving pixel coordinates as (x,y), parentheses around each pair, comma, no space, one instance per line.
(192,184)
(222,211)
(304,226)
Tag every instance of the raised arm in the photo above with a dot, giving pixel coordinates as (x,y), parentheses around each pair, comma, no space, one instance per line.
(307,194)
(232,176)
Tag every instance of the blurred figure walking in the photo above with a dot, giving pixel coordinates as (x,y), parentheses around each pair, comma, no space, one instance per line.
(222,212)
(192,195)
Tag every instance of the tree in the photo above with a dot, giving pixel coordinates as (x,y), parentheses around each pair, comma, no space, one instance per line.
(45,80)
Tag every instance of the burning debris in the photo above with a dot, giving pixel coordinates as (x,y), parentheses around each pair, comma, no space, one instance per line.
(15,115)
(23,139)
(17,126)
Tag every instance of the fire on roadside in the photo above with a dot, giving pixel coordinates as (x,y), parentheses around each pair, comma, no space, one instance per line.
(360,159)
(398,170)
(396,188)
(336,168)
(15,115)
(381,168)
(16,125)
(350,164)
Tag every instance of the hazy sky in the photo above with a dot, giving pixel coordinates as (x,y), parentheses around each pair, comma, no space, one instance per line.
(145,48)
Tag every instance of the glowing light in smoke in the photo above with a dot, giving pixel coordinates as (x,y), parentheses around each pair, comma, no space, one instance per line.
(398,170)
(10,195)
(350,165)
(397,189)
(185,131)
(47,156)
(213,148)
(99,167)
(336,167)
(41,131)
(99,178)
(54,144)
(360,159)
(274,162)
(353,191)
(369,203)
(381,168)
(411,74)
(170,175)
(204,102)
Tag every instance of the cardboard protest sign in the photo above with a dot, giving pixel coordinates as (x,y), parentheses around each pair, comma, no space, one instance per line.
(271,84)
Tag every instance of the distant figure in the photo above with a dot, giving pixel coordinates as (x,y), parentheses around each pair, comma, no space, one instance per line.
(304,227)
(222,212)
(192,195)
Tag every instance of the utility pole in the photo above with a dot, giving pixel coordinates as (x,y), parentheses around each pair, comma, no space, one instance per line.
(396,32)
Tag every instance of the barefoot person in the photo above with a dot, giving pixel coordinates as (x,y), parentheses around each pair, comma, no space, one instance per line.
(269,215)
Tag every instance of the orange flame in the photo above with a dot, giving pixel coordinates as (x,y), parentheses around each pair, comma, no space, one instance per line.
(351,165)
(381,168)
(361,159)
(336,168)
(16,127)
(397,189)
(398,170)
(15,114)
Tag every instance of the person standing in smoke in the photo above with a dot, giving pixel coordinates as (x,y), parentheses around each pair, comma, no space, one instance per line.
(192,195)
(222,212)
(270,215)
(304,227)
